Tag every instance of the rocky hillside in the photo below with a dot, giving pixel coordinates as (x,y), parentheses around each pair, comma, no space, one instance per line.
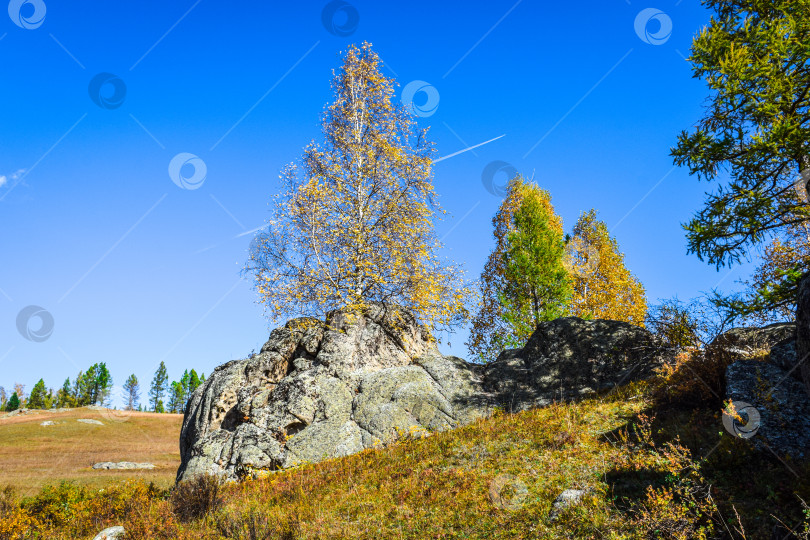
(321,390)
(599,457)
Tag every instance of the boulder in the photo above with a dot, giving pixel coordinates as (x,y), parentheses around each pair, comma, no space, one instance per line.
(18,412)
(570,358)
(746,341)
(568,497)
(122,465)
(90,421)
(803,329)
(783,356)
(326,389)
(110,533)
(780,421)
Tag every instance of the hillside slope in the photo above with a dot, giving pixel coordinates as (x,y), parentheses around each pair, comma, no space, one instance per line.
(644,471)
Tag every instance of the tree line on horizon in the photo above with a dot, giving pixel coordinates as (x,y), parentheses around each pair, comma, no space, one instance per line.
(95,387)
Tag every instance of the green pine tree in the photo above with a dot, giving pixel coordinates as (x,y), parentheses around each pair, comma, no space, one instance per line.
(752,142)
(13,403)
(103,385)
(159,388)
(38,396)
(87,386)
(538,287)
(524,281)
(193,382)
(65,396)
(133,392)
(177,397)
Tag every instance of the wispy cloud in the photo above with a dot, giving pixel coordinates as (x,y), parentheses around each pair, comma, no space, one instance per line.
(13,177)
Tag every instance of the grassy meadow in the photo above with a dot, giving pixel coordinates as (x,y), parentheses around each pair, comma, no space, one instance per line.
(32,455)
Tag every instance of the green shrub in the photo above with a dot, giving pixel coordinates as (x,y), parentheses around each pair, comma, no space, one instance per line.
(56,506)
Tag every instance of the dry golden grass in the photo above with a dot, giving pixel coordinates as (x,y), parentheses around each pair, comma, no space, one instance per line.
(32,455)
(649,471)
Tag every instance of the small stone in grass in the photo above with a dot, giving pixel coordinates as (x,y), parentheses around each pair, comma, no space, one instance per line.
(110,533)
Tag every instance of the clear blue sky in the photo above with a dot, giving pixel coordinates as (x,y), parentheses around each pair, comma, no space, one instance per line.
(134,269)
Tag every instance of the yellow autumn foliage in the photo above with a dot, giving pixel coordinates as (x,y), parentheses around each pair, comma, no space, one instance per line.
(603,286)
(355,223)
(784,253)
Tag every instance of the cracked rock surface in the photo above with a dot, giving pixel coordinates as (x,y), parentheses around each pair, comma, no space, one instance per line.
(783,426)
(320,390)
(570,358)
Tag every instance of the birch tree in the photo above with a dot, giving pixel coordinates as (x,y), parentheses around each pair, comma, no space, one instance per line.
(355,222)
(603,287)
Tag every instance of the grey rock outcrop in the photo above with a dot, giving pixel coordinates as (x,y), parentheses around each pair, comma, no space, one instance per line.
(778,340)
(320,390)
(746,341)
(803,329)
(780,402)
(783,355)
(326,389)
(19,412)
(571,358)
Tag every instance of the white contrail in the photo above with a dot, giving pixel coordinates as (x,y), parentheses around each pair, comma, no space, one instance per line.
(468,149)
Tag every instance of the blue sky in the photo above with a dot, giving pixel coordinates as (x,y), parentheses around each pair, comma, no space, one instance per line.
(135,269)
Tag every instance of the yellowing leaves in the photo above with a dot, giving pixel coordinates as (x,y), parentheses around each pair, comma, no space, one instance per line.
(355,223)
(603,286)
